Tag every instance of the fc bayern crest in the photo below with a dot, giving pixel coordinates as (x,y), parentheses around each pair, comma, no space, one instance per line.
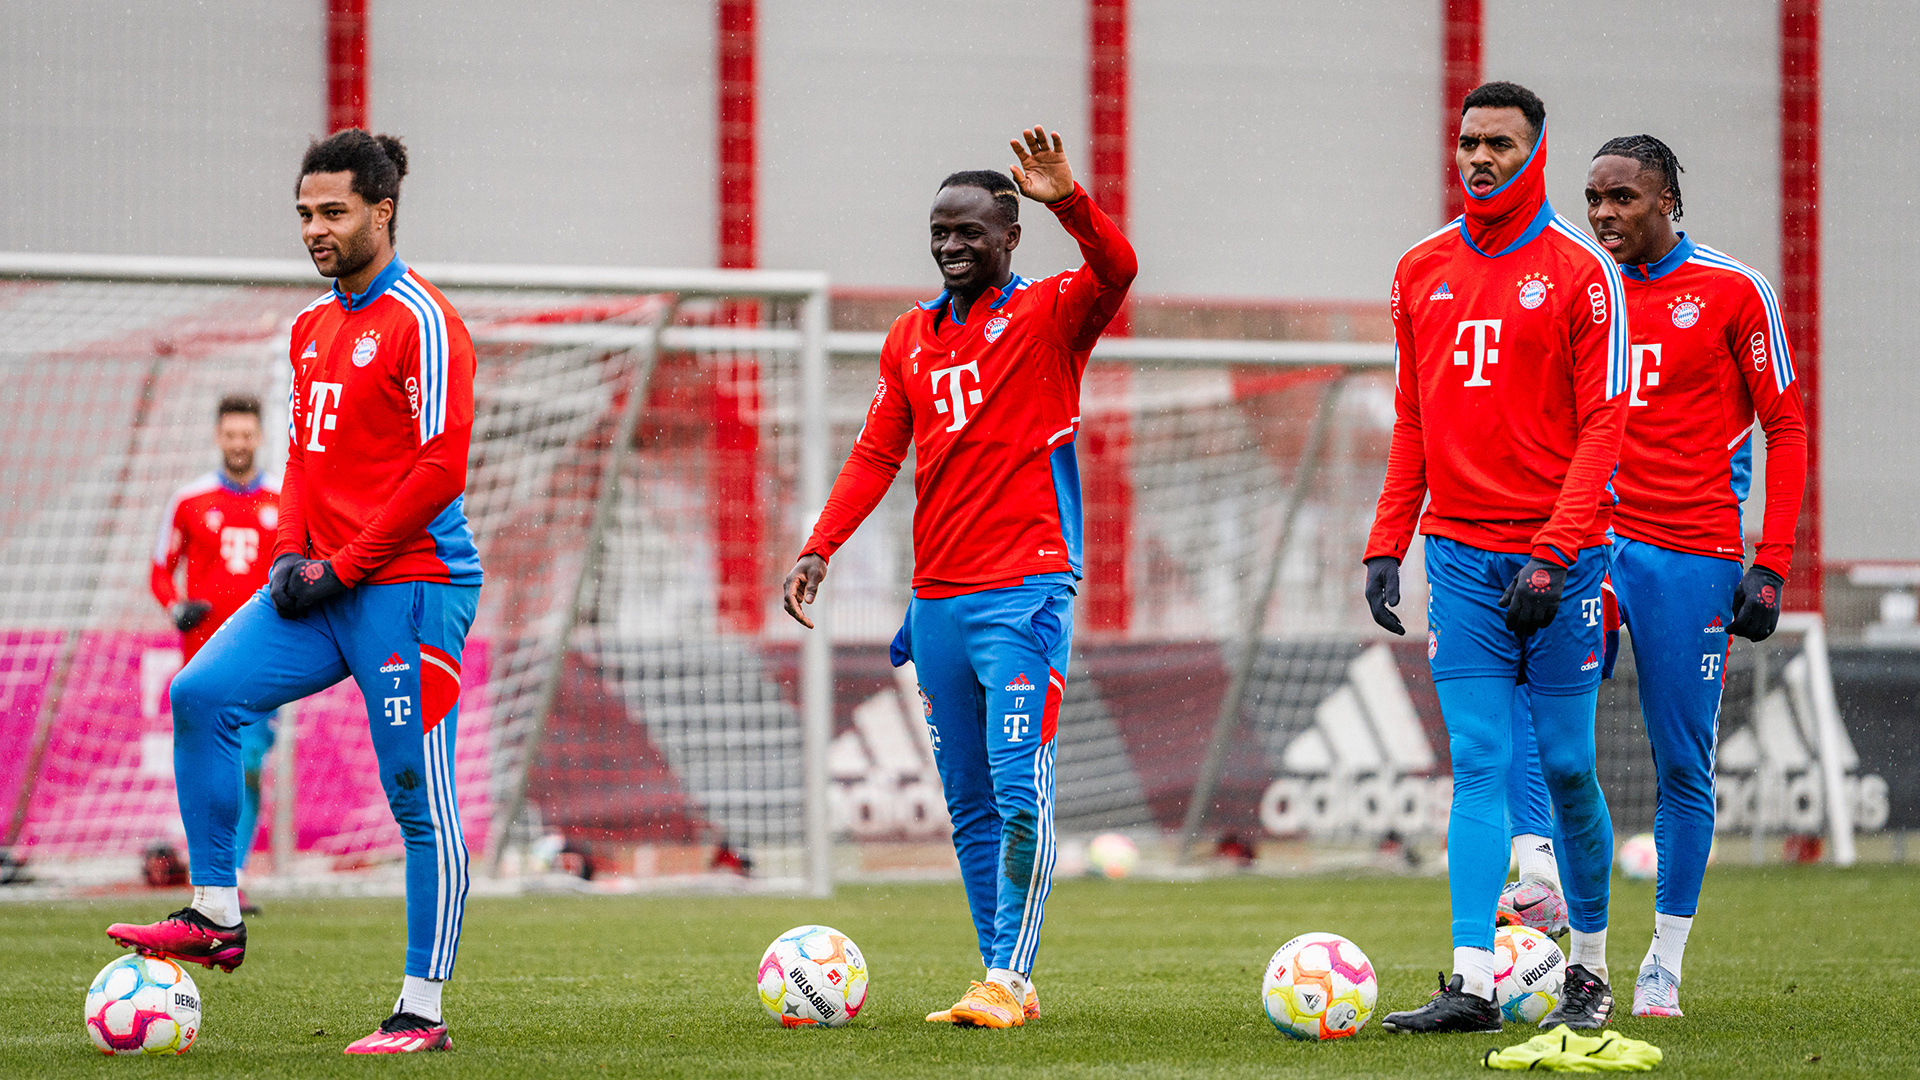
(1533,293)
(269,516)
(1686,313)
(995,327)
(364,349)
(1433,644)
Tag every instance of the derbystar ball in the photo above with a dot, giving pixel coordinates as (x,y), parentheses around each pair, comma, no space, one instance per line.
(143,1005)
(1319,986)
(1528,972)
(813,976)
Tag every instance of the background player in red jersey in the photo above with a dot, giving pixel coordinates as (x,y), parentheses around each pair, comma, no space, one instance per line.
(1709,353)
(375,575)
(220,528)
(984,382)
(1511,367)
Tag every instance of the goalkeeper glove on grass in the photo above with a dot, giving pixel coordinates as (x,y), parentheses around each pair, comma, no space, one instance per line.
(1533,598)
(278,579)
(1756,604)
(1383,591)
(188,614)
(313,583)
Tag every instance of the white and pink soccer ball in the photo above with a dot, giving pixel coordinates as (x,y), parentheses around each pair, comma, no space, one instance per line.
(1113,855)
(1319,986)
(813,976)
(1529,972)
(1639,858)
(143,1005)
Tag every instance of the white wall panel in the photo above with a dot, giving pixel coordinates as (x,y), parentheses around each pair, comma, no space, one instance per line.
(1870,289)
(156,128)
(866,107)
(1283,150)
(1702,76)
(578,132)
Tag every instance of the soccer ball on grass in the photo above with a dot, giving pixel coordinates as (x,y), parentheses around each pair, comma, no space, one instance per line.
(1113,855)
(1319,986)
(143,1005)
(813,976)
(1528,972)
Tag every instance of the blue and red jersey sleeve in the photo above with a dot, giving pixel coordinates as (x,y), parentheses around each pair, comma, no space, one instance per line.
(1757,340)
(876,457)
(1398,510)
(1598,355)
(437,374)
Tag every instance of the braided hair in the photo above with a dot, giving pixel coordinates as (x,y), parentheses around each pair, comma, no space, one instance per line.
(1651,153)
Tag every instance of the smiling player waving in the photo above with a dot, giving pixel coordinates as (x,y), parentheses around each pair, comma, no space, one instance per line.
(984,381)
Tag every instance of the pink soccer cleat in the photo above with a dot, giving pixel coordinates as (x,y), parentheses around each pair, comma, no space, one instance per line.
(186,935)
(404,1033)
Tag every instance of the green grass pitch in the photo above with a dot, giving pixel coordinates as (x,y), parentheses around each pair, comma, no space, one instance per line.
(1791,972)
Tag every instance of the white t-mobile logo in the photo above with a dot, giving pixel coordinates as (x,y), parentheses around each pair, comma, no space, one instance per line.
(1590,610)
(956,393)
(398,709)
(1710,666)
(1650,378)
(318,418)
(1016,724)
(1482,353)
(238,548)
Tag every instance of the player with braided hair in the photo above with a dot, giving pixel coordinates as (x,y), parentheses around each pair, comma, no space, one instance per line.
(1709,353)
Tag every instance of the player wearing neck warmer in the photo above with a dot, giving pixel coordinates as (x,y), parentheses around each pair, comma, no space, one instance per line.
(1510,365)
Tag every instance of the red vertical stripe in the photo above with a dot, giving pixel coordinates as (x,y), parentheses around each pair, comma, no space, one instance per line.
(1800,266)
(1460,71)
(739,249)
(346,64)
(737,511)
(1105,441)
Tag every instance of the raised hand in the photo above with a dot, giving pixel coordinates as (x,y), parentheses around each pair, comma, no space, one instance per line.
(1043,173)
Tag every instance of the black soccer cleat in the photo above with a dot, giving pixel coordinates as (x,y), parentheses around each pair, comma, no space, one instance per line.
(1451,1009)
(1586,1003)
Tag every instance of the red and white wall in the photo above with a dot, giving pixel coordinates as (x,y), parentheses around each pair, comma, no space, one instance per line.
(1272,152)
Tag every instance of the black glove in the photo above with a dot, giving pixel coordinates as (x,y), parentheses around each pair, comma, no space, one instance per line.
(1534,596)
(278,578)
(312,583)
(1383,591)
(188,614)
(1756,604)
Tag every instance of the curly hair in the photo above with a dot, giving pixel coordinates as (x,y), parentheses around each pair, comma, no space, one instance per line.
(1508,95)
(1653,154)
(378,164)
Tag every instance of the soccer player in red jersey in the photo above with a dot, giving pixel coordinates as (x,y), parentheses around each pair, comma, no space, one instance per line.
(1710,354)
(1511,371)
(375,575)
(221,527)
(984,382)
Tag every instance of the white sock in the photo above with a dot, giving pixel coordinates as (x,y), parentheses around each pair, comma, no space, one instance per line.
(1475,968)
(1669,941)
(1535,856)
(1590,952)
(219,903)
(421,997)
(1010,979)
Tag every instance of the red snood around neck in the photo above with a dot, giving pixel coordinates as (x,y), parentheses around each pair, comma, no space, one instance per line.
(1503,216)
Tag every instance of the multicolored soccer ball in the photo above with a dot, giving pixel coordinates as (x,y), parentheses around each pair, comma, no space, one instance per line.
(1113,855)
(143,1005)
(813,976)
(1528,972)
(1319,986)
(1639,857)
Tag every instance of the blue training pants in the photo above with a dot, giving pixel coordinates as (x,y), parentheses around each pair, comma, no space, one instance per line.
(255,740)
(402,644)
(1676,607)
(1476,662)
(992,668)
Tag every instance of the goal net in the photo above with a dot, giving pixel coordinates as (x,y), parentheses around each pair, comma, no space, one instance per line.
(637,459)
